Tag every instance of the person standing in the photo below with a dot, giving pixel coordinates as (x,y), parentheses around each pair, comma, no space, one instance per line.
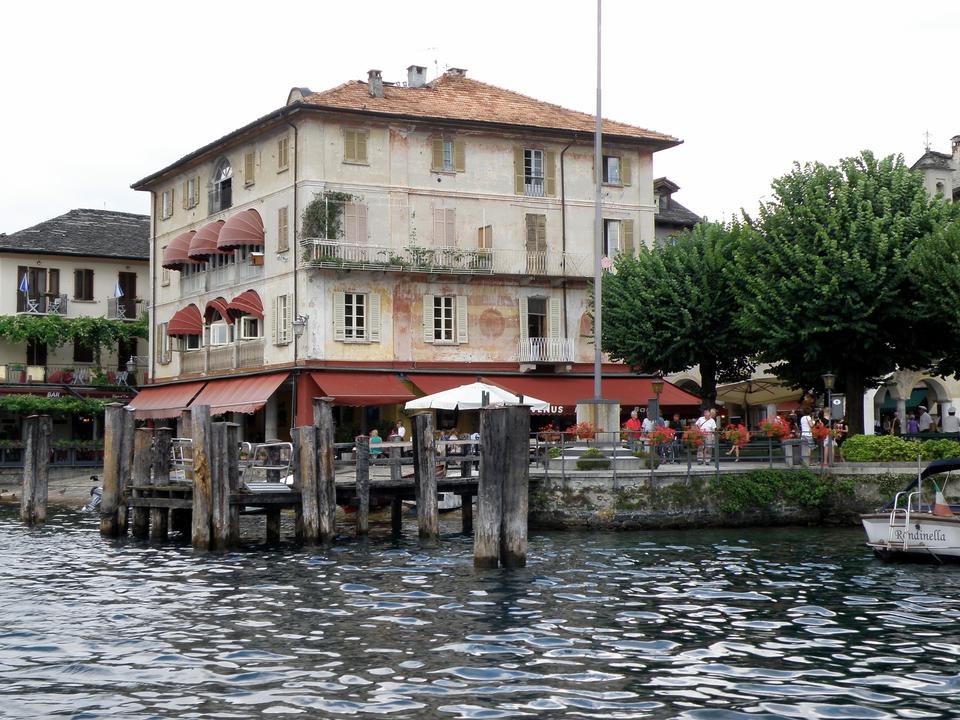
(913,426)
(806,437)
(375,442)
(701,421)
(950,423)
(924,421)
(634,428)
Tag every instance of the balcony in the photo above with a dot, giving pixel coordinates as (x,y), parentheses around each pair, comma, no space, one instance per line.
(51,304)
(75,375)
(333,254)
(224,276)
(123,309)
(546,350)
(218,358)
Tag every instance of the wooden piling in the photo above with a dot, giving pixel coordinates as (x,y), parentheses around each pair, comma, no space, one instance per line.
(220,452)
(273,526)
(396,468)
(466,513)
(140,476)
(128,425)
(112,445)
(36,469)
(396,515)
(425,473)
(305,478)
(233,484)
(515,448)
(486,540)
(326,487)
(363,485)
(202,489)
(160,517)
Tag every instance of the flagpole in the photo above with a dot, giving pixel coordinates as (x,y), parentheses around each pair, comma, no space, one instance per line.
(598,231)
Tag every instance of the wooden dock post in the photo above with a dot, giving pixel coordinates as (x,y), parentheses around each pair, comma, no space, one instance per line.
(129,425)
(112,449)
(202,489)
(305,479)
(326,487)
(220,452)
(160,517)
(140,476)
(466,514)
(363,485)
(36,469)
(233,484)
(425,473)
(502,501)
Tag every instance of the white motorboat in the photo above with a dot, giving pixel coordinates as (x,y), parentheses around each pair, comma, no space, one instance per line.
(920,523)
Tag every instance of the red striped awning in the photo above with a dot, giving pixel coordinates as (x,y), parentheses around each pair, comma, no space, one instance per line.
(175,254)
(166,401)
(187,321)
(245,228)
(248,302)
(217,305)
(241,394)
(204,243)
(362,388)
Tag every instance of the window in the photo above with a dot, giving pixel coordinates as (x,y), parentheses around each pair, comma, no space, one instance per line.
(166,204)
(283,230)
(250,327)
(448,155)
(191,192)
(940,188)
(536,226)
(164,272)
(355,223)
(221,187)
(540,317)
(617,237)
(445,227)
(535,172)
(162,345)
(355,146)
(249,162)
(190,342)
(485,237)
(663,201)
(218,331)
(445,319)
(616,170)
(356,317)
(83,285)
(282,319)
(82,352)
(283,154)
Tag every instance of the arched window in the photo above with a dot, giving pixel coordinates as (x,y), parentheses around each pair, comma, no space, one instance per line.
(218,331)
(221,187)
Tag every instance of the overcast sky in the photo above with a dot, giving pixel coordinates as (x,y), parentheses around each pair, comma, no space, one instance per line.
(96,95)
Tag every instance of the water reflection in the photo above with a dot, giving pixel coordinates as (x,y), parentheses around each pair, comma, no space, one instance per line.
(780,623)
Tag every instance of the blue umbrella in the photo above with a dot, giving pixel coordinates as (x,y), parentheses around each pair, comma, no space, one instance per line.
(24,285)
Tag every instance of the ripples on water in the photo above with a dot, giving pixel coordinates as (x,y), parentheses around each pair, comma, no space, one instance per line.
(705,625)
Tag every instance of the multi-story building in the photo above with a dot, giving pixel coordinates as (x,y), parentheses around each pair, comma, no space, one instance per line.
(400,227)
(671,217)
(84,264)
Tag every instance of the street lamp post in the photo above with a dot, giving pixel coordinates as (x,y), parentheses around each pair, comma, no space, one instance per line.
(828,380)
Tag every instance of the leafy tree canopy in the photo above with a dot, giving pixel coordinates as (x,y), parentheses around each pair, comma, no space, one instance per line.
(672,307)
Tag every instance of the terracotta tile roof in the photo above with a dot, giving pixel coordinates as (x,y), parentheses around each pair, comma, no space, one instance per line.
(456,97)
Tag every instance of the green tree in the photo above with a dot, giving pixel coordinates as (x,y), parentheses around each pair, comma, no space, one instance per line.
(672,307)
(935,270)
(826,282)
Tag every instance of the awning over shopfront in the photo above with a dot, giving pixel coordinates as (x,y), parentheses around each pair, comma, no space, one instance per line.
(175,254)
(916,399)
(563,392)
(186,321)
(239,394)
(362,388)
(204,243)
(248,302)
(244,228)
(165,401)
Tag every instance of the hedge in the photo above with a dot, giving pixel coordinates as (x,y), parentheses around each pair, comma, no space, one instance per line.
(891,448)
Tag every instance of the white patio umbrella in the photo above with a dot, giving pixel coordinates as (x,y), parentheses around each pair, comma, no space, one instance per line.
(470,397)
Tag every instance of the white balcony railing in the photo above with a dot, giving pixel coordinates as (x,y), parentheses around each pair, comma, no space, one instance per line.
(250,353)
(193,361)
(218,277)
(217,358)
(546,350)
(123,309)
(448,260)
(193,283)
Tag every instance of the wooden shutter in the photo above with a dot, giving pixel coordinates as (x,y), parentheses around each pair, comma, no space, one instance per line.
(195,198)
(361,223)
(53,281)
(350,145)
(518,176)
(436,161)
(287,318)
(283,230)
(549,173)
(536,233)
(439,226)
(275,324)
(428,335)
(339,321)
(459,156)
(553,318)
(626,174)
(361,146)
(524,321)
(450,229)
(531,221)
(351,226)
(626,237)
(461,319)
(185,192)
(77,283)
(248,168)
(373,317)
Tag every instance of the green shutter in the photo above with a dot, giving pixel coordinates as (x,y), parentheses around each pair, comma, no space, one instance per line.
(350,145)
(459,156)
(625,171)
(361,147)
(518,170)
(550,173)
(436,162)
(626,231)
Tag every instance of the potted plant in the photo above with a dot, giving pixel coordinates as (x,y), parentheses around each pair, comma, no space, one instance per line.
(593,459)
(585,430)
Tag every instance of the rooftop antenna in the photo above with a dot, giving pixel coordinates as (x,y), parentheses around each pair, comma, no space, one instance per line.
(926,140)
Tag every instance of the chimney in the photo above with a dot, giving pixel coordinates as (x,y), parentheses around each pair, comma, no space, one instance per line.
(457,72)
(375,83)
(416,76)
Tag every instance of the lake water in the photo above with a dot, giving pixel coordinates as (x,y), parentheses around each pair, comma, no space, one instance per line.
(718,624)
